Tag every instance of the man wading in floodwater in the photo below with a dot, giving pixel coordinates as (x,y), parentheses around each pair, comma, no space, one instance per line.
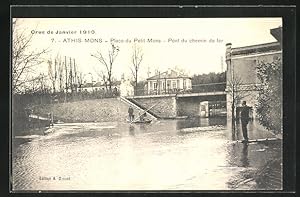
(245,120)
(130,114)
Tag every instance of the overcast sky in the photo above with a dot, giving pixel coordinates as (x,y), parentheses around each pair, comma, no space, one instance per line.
(195,58)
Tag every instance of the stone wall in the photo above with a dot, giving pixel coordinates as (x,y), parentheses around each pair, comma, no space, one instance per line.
(97,110)
(165,107)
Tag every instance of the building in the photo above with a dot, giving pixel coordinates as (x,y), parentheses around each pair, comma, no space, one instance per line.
(167,82)
(126,87)
(241,70)
(98,87)
(87,87)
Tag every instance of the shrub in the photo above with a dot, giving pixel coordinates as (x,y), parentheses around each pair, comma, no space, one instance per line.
(269,106)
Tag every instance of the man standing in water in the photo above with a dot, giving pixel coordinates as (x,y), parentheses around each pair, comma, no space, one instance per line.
(130,113)
(245,120)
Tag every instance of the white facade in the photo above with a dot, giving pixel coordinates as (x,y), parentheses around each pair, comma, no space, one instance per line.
(170,81)
(126,88)
(97,88)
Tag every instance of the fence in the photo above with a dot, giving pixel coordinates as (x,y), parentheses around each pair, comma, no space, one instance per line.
(196,88)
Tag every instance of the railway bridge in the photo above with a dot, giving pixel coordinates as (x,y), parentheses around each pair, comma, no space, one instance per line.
(203,100)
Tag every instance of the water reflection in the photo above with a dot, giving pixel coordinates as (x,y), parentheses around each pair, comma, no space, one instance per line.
(244,155)
(200,122)
(238,154)
(217,121)
(252,161)
(191,122)
(236,133)
(119,155)
(255,131)
(131,130)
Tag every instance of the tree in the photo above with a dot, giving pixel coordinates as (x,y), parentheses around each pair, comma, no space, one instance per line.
(52,73)
(24,58)
(72,75)
(79,80)
(36,84)
(211,77)
(136,58)
(75,76)
(237,91)
(108,62)
(60,73)
(180,70)
(269,104)
(102,76)
(214,82)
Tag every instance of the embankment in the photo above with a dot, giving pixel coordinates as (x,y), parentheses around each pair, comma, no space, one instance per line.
(97,110)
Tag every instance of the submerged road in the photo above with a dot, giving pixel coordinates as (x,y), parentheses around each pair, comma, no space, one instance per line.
(119,156)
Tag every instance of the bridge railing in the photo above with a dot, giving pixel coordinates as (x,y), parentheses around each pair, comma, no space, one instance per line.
(210,87)
(196,88)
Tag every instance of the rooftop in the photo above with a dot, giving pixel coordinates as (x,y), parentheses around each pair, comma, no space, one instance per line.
(260,48)
(171,74)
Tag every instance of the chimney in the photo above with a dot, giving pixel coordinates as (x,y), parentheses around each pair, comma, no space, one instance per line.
(228,51)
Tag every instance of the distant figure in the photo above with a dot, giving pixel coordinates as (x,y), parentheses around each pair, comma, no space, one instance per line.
(130,114)
(115,91)
(143,116)
(244,120)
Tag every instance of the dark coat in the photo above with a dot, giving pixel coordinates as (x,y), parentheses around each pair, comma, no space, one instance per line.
(130,110)
(245,114)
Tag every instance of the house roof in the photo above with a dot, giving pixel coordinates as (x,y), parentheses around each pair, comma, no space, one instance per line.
(260,48)
(168,75)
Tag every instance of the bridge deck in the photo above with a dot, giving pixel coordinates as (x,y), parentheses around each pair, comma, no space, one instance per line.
(202,94)
(217,93)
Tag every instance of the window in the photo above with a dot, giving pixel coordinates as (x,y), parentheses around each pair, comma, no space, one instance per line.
(155,85)
(184,84)
(174,85)
(169,84)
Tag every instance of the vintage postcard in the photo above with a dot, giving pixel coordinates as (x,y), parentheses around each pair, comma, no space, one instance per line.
(146,104)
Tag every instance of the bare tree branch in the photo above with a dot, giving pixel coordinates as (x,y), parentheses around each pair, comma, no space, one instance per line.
(136,58)
(24,58)
(108,63)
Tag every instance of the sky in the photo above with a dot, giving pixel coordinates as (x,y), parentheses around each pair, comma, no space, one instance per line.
(177,46)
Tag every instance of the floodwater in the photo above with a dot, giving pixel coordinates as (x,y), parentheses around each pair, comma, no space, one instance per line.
(156,156)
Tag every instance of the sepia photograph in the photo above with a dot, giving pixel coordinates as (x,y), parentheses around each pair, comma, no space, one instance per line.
(146,104)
